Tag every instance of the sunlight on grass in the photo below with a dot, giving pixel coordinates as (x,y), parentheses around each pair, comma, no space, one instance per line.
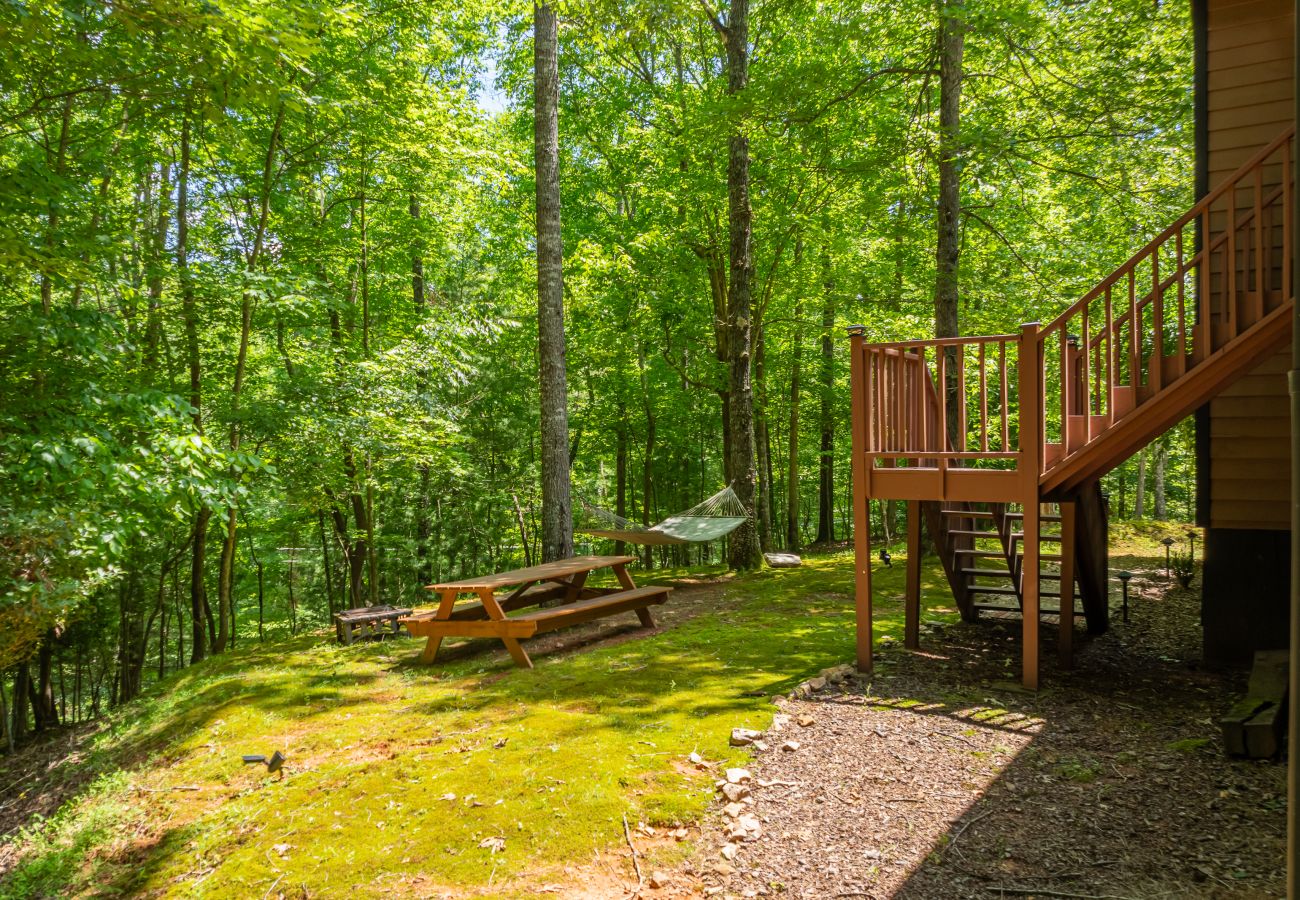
(396,768)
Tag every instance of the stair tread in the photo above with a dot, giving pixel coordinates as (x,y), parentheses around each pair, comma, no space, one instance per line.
(967,513)
(992,573)
(985,554)
(991,535)
(1020,535)
(1006,591)
(1041,517)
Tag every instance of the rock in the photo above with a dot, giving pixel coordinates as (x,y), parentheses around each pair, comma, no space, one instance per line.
(738,776)
(760,746)
(745,828)
(836,674)
(733,810)
(805,721)
(783,560)
(734,792)
(657,880)
(790,746)
(888,641)
(728,853)
(816,684)
(779,721)
(743,737)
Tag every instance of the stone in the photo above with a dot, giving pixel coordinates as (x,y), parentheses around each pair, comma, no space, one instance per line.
(806,721)
(728,853)
(816,684)
(783,560)
(733,810)
(657,880)
(836,674)
(790,746)
(743,737)
(738,776)
(734,792)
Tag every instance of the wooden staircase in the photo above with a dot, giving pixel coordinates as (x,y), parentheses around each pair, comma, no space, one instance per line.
(981,434)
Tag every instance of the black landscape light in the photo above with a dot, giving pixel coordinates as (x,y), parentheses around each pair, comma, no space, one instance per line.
(273,763)
(1123,579)
(1168,542)
(1191,539)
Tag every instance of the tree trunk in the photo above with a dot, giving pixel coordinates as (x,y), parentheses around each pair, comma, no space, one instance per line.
(557,519)
(1140,491)
(22,688)
(826,453)
(647,459)
(743,545)
(44,710)
(762,442)
(1162,465)
(199,526)
(620,478)
(792,473)
(952,29)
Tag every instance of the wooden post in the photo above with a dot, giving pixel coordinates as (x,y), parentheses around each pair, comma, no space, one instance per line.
(861,499)
(912,600)
(1065,644)
(1031,454)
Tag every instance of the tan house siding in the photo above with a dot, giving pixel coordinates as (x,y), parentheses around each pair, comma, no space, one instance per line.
(1250,100)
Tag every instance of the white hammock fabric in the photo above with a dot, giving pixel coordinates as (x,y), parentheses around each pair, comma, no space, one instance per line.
(716,517)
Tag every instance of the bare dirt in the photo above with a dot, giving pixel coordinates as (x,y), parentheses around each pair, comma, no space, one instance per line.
(940,778)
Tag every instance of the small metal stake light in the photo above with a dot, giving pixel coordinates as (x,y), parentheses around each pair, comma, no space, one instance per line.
(1123,579)
(1168,542)
(1191,539)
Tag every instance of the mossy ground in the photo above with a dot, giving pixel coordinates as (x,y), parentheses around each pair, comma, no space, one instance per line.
(549,760)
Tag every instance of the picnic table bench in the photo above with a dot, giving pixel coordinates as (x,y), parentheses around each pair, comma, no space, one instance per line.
(364,621)
(563,580)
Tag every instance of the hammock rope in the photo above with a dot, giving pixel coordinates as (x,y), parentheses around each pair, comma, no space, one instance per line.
(708,520)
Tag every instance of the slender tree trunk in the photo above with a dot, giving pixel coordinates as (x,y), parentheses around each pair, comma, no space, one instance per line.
(743,545)
(1162,465)
(826,452)
(1140,492)
(198,595)
(43,705)
(762,442)
(952,29)
(792,474)
(620,477)
(557,519)
(226,572)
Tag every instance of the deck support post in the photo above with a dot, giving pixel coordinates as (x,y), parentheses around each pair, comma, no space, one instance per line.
(1031,438)
(912,598)
(1065,644)
(861,498)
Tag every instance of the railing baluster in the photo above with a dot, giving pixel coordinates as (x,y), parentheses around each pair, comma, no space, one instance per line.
(961,397)
(1257,305)
(941,362)
(1156,370)
(1287,224)
(1134,336)
(1065,390)
(1005,401)
(1230,295)
(1085,338)
(984,404)
(1182,298)
(1204,291)
(1111,361)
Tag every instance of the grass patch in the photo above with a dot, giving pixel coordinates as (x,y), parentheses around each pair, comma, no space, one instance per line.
(399,774)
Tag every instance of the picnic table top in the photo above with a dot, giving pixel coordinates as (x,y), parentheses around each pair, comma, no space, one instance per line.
(561,568)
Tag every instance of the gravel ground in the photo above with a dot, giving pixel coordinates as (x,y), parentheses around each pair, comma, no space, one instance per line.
(940,778)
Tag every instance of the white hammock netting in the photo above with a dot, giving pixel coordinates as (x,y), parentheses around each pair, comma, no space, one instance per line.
(716,517)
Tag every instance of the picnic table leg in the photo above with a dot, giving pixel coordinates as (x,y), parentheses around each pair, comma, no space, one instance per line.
(647,620)
(430,650)
(625,581)
(496,614)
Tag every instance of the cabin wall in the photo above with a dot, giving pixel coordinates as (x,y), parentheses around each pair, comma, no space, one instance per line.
(1245,98)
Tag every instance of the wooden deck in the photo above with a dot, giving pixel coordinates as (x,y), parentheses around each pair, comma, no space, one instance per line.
(978,434)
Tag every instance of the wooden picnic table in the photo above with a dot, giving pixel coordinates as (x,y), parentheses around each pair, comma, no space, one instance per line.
(364,621)
(563,581)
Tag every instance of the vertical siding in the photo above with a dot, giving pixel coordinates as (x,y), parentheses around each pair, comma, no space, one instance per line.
(1250,100)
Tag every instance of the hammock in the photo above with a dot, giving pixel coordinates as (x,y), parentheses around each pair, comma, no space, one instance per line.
(716,517)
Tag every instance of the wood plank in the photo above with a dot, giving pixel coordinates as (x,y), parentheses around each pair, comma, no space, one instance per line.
(1277,470)
(1256,448)
(587,610)
(563,568)
(1252,489)
(1249,33)
(1241,71)
(517,627)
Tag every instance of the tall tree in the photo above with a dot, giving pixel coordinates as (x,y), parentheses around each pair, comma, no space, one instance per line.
(557,520)
(952,30)
(744,550)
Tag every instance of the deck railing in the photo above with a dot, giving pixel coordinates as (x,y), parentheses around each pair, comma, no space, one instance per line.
(1028,402)
(1171,305)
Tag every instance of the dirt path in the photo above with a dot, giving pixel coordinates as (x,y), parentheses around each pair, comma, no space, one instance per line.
(941,779)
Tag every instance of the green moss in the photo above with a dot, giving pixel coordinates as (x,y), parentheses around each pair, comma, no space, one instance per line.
(397,769)
(1188,745)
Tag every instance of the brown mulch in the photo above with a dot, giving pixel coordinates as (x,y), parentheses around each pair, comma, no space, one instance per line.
(940,778)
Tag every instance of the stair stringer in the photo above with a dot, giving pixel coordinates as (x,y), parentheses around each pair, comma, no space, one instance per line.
(946,545)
